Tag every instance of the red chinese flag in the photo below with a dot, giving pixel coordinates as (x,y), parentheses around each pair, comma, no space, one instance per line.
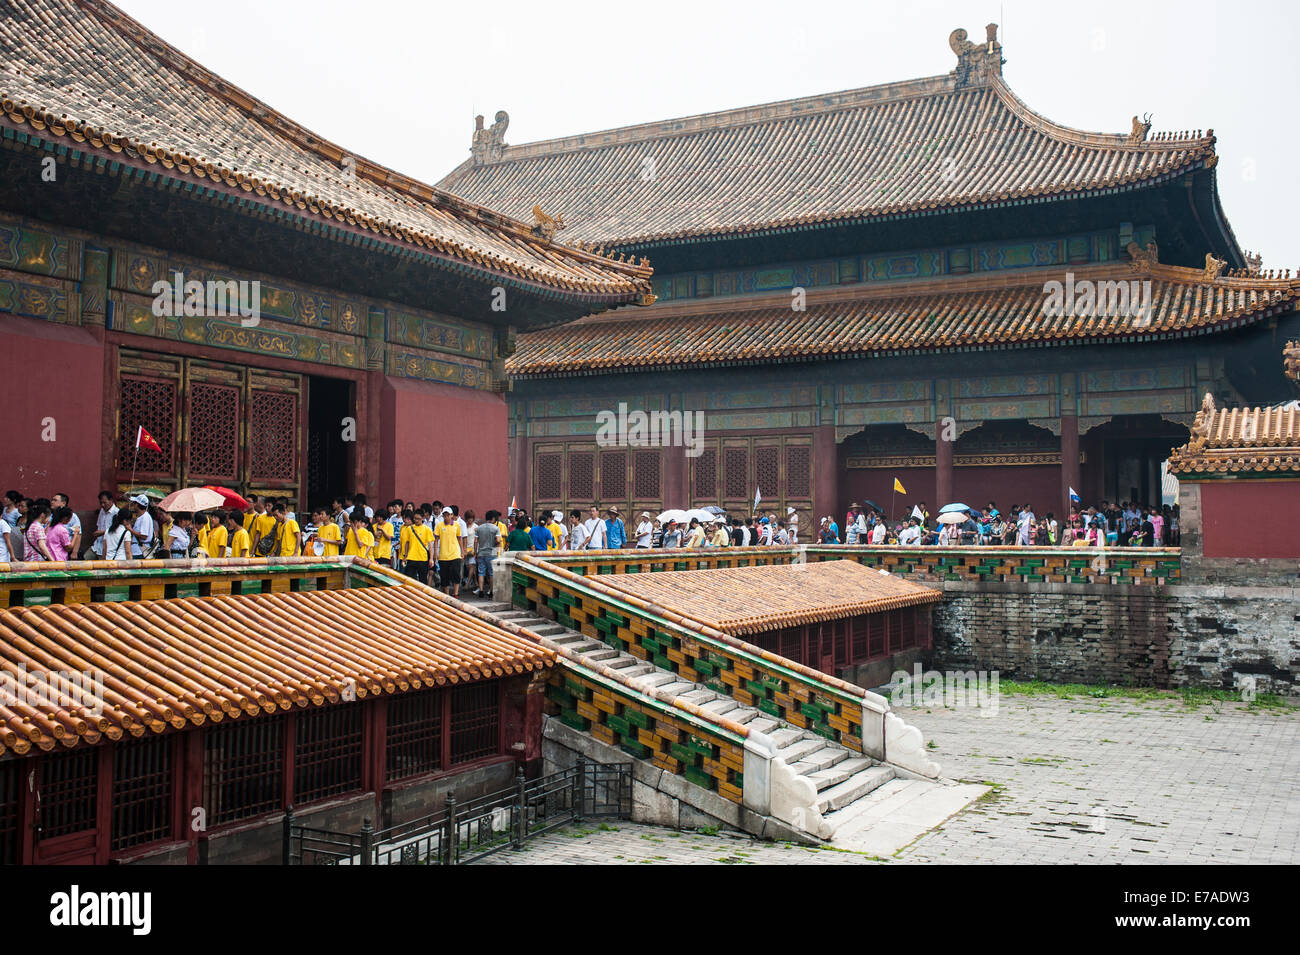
(143,439)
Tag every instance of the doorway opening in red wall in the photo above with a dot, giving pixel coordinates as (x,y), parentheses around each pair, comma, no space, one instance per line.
(332,433)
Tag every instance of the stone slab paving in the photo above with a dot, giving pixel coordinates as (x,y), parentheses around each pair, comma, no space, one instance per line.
(1082,780)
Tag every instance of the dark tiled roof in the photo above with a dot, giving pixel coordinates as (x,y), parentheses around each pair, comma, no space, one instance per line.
(1257,441)
(747,600)
(189,660)
(90,77)
(944,142)
(939,314)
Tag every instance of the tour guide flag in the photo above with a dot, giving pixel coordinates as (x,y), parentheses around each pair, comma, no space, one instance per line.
(757,497)
(143,439)
(917,512)
(898,486)
(1073,496)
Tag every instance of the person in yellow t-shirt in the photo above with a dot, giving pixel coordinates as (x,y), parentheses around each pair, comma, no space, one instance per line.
(240,544)
(286,531)
(213,540)
(360,542)
(413,547)
(325,542)
(201,537)
(558,532)
(449,553)
(263,525)
(383,552)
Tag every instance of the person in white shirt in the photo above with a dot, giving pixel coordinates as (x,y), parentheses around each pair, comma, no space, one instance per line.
(793,520)
(117,539)
(142,528)
(911,535)
(878,533)
(1025,527)
(178,538)
(5,530)
(103,521)
(645,531)
(595,529)
(558,518)
(577,531)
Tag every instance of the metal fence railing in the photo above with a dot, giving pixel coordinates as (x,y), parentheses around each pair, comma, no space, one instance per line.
(463,832)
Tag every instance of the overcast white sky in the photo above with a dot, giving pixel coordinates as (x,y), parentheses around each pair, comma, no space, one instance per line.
(399,81)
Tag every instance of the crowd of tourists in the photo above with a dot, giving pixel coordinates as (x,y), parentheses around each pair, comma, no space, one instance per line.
(438,543)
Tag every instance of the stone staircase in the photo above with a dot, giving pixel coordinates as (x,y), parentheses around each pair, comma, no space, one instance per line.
(842,779)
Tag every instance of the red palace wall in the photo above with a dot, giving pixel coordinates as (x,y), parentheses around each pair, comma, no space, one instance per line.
(52,371)
(443,442)
(1039,485)
(1250,518)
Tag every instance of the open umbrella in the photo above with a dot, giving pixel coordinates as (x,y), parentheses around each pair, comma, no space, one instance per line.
(715,510)
(153,493)
(951,508)
(675,514)
(872,505)
(700,514)
(192,499)
(953,517)
(230,498)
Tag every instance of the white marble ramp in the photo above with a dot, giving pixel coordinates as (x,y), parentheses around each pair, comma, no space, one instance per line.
(899,812)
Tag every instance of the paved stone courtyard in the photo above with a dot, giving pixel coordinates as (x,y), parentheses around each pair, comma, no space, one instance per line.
(1081,780)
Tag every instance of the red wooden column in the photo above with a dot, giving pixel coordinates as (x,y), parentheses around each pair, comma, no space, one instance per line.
(943,467)
(1071,476)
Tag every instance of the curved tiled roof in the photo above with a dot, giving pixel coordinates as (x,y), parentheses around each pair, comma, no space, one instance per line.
(999,311)
(748,600)
(84,74)
(169,663)
(936,143)
(1255,441)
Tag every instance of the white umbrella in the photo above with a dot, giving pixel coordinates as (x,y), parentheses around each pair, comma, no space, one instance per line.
(700,514)
(675,514)
(953,517)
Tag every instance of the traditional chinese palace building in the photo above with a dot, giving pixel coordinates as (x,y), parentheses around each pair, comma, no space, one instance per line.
(845,280)
(379,308)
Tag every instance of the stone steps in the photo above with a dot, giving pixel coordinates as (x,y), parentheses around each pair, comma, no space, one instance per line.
(840,776)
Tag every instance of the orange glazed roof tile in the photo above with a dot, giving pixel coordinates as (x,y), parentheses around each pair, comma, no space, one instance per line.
(955,313)
(1256,441)
(169,663)
(747,600)
(83,73)
(963,139)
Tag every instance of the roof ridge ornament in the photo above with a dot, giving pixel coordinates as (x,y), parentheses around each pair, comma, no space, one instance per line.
(976,62)
(489,145)
(1213,266)
(1138,134)
(546,226)
(1142,259)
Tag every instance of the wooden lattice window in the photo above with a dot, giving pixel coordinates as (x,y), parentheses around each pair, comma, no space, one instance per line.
(414,734)
(10,779)
(859,651)
(582,476)
(475,721)
(735,473)
(243,764)
(798,471)
(791,645)
(142,792)
(876,632)
(706,475)
(327,752)
(645,475)
(214,431)
(69,791)
(547,477)
(149,402)
(767,470)
(273,436)
(613,475)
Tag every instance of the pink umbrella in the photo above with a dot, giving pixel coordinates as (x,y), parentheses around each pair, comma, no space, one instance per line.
(192,499)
